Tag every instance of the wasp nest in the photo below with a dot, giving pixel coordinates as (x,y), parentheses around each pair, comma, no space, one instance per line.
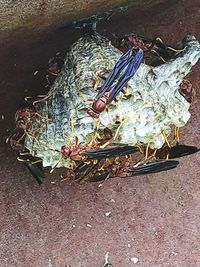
(150,106)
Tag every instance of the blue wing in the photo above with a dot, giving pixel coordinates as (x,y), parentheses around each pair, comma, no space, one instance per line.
(119,66)
(129,72)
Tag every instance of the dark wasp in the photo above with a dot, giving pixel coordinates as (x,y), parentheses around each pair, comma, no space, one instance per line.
(24,118)
(157,46)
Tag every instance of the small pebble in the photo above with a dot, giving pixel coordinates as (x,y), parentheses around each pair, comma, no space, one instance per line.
(63,179)
(134,260)
(89,225)
(35,73)
(174,253)
(50,263)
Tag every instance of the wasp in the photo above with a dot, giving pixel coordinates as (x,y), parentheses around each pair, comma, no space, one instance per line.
(162,159)
(114,84)
(24,117)
(101,170)
(86,157)
(96,152)
(75,153)
(124,166)
(157,46)
(98,164)
(155,161)
(187,90)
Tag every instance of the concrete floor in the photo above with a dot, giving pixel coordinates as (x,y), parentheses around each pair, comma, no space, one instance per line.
(155,218)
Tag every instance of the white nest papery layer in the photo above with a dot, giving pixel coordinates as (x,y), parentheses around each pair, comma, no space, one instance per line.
(153,104)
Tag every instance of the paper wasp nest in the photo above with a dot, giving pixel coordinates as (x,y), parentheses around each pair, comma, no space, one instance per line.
(151,105)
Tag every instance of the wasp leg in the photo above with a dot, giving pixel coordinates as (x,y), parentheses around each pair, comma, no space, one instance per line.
(147,152)
(96,134)
(42,117)
(154,167)
(44,97)
(120,125)
(72,124)
(165,52)
(159,55)
(55,166)
(84,173)
(97,80)
(179,151)
(31,137)
(166,138)
(177,135)
(82,167)
(87,171)
(176,50)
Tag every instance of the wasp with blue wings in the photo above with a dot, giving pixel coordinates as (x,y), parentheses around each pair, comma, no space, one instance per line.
(122,72)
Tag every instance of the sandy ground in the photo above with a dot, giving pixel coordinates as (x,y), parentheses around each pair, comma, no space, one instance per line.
(154,219)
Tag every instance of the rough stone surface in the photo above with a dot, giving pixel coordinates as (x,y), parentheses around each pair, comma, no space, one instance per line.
(154,218)
(24,19)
